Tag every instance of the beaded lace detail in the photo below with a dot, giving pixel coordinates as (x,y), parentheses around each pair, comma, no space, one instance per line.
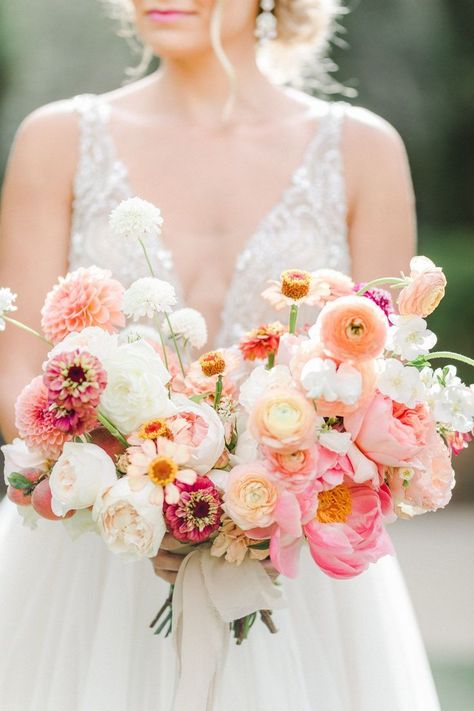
(306,229)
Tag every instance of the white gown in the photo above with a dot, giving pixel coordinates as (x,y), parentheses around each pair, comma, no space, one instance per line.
(74,619)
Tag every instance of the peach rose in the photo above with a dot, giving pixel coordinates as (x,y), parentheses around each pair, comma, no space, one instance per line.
(425,290)
(352,328)
(283,419)
(251,496)
(389,433)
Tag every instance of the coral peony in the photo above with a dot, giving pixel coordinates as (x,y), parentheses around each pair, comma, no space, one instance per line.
(197,514)
(283,419)
(85,297)
(425,290)
(352,328)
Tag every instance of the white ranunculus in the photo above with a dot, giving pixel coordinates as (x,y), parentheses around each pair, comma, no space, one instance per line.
(205,453)
(77,478)
(79,524)
(148,296)
(92,339)
(18,458)
(136,387)
(135,218)
(7,305)
(322,379)
(401,383)
(409,337)
(260,380)
(131,526)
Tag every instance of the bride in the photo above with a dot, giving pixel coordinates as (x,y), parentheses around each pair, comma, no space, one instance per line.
(251,179)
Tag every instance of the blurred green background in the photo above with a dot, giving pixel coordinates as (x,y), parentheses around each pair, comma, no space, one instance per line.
(411,61)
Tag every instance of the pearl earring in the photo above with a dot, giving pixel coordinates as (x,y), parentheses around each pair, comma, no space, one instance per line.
(266,28)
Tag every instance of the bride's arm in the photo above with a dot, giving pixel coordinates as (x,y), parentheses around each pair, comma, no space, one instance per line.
(34,232)
(381,204)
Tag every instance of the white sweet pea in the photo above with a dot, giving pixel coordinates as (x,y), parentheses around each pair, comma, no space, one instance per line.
(409,337)
(18,458)
(205,449)
(148,296)
(79,475)
(131,526)
(260,380)
(401,383)
(7,305)
(322,379)
(454,406)
(335,441)
(136,387)
(135,219)
(92,339)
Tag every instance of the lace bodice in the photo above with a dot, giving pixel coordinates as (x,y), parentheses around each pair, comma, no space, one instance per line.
(306,229)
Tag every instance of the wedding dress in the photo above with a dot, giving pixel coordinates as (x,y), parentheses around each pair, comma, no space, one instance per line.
(74,619)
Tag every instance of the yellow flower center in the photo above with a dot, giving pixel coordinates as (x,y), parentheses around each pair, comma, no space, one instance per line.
(162,471)
(154,429)
(335,505)
(295,284)
(212,363)
(355,328)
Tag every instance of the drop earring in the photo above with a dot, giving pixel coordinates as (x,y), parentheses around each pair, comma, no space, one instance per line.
(266,28)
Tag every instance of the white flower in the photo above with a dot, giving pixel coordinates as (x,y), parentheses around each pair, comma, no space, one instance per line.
(79,475)
(260,380)
(205,447)
(135,219)
(129,523)
(453,406)
(135,392)
(322,379)
(92,339)
(409,337)
(18,458)
(335,441)
(82,522)
(30,518)
(401,383)
(189,325)
(137,332)
(7,305)
(148,296)
(364,468)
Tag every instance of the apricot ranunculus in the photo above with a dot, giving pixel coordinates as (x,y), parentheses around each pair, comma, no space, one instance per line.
(251,496)
(425,290)
(352,328)
(283,419)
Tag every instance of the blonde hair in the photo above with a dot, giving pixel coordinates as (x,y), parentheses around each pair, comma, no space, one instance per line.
(297,56)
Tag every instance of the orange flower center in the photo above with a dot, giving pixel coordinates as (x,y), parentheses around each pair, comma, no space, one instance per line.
(295,284)
(162,471)
(335,505)
(355,328)
(154,429)
(212,363)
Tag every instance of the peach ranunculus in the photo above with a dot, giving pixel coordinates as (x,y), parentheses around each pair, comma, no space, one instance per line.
(339,284)
(352,328)
(251,496)
(83,298)
(283,419)
(427,484)
(294,470)
(425,290)
(389,433)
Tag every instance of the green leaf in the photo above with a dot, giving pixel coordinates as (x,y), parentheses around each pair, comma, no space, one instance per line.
(260,546)
(18,481)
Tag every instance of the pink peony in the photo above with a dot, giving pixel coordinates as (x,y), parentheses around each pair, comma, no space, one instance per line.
(425,290)
(75,379)
(429,483)
(85,297)
(347,532)
(36,421)
(387,432)
(197,514)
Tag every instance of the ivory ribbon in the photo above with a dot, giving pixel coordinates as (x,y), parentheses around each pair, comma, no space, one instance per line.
(209,594)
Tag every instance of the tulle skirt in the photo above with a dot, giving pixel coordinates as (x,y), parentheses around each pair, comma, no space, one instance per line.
(74,635)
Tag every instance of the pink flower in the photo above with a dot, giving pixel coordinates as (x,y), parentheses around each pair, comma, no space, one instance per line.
(197,514)
(429,483)
(295,470)
(261,342)
(387,432)
(283,419)
(36,422)
(85,297)
(296,287)
(425,290)
(338,284)
(196,383)
(162,461)
(75,379)
(251,496)
(457,441)
(381,297)
(347,532)
(352,328)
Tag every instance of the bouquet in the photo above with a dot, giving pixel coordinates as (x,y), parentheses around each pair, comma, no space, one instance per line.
(314,434)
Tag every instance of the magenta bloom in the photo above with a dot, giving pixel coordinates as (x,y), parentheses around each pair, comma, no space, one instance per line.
(198,513)
(381,297)
(347,533)
(74,380)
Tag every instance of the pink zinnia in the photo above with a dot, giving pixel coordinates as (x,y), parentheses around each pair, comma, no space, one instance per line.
(74,380)
(85,297)
(36,422)
(198,513)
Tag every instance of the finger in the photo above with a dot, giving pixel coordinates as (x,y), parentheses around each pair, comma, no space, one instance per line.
(169,543)
(167,561)
(167,576)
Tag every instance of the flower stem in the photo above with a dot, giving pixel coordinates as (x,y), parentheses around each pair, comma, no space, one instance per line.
(218,393)
(162,340)
(175,343)
(271,360)
(26,328)
(392,281)
(145,252)
(111,428)
(293,318)
(450,356)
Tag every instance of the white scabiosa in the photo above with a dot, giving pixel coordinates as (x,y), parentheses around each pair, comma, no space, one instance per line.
(7,305)
(148,296)
(135,219)
(189,325)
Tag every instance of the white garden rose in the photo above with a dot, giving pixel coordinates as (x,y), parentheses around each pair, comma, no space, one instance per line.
(92,339)
(136,387)
(18,458)
(79,475)
(203,432)
(131,526)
